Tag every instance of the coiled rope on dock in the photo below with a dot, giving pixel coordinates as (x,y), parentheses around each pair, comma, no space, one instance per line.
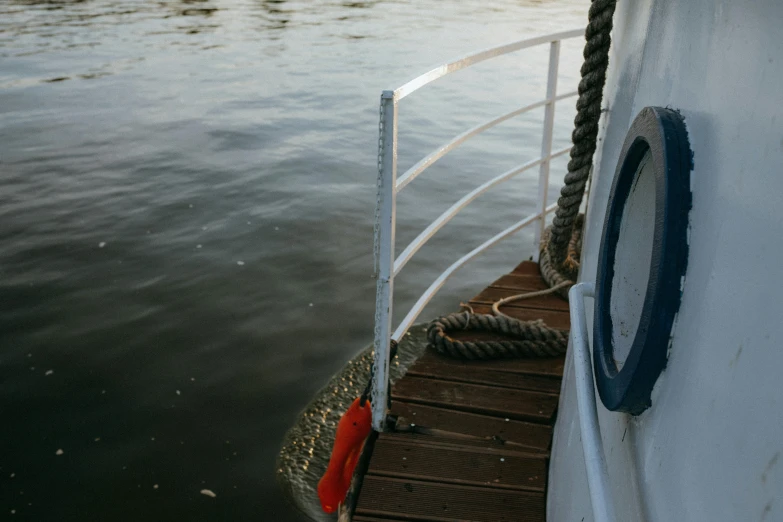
(535,338)
(561,243)
(523,338)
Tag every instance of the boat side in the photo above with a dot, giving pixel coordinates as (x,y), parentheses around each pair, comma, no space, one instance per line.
(709,446)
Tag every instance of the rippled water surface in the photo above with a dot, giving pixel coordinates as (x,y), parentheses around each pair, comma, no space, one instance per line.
(186,205)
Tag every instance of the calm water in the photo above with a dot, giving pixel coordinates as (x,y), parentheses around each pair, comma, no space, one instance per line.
(186,205)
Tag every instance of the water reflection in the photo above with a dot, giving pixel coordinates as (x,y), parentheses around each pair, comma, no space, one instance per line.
(29,27)
(50,4)
(277,16)
(149,147)
(119,35)
(199,11)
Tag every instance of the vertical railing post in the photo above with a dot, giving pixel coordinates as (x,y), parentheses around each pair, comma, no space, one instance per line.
(387,194)
(546,142)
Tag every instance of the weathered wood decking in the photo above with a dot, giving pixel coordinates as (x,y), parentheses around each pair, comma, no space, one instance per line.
(486,457)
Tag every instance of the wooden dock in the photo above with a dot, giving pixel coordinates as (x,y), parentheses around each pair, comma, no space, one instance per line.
(473,437)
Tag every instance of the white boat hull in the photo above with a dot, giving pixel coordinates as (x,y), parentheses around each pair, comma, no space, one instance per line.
(709,448)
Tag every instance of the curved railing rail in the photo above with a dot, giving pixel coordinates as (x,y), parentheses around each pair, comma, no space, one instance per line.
(444,149)
(452,211)
(387,266)
(477,57)
(592,444)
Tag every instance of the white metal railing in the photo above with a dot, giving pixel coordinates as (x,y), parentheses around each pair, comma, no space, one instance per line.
(592,445)
(389,186)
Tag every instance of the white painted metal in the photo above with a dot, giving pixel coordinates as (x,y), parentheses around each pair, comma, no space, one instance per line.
(710,447)
(441,151)
(452,211)
(546,141)
(385,285)
(474,58)
(439,282)
(592,446)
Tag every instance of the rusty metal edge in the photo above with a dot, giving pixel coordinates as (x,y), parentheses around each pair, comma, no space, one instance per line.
(348,507)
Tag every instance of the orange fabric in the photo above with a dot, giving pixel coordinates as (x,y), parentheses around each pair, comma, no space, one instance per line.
(352,430)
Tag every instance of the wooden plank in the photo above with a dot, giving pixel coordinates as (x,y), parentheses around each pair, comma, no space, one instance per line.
(457,419)
(544,366)
(527,268)
(495,446)
(527,434)
(423,501)
(523,283)
(551,318)
(485,400)
(373,519)
(544,302)
(467,465)
(349,504)
(468,374)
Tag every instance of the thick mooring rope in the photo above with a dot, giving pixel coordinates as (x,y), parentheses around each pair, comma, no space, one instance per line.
(588,106)
(549,271)
(561,243)
(526,338)
(534,338)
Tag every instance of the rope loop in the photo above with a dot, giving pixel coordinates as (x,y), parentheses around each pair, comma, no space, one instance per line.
(525,338)
(534,338)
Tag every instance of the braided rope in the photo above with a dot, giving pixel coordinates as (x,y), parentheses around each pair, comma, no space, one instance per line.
(497,304)
(527,338)
(596,60)
(534,338)
(549,271)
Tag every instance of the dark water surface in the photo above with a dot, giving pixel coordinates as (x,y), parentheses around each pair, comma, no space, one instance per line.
(186,204)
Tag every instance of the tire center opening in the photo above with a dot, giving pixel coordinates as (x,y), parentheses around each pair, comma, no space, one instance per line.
(632,260)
